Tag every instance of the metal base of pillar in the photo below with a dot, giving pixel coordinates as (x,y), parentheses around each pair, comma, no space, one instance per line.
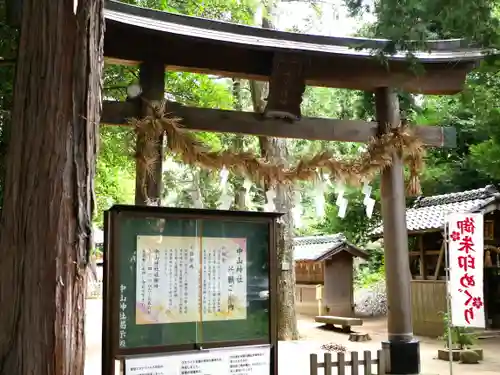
(403,357)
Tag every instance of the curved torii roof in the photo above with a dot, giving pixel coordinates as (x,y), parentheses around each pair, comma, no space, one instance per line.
(135,34)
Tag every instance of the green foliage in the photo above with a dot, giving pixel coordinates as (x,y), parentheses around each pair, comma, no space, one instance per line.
(115,176)
(239,11)
(461,337)
(355,225)
(344,104)
(373,271)
(419,20)
(115,171)
(328,103)
(475,113)
(365,277)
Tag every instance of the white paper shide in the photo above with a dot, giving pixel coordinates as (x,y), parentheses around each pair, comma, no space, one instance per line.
(466,257)
(244,361)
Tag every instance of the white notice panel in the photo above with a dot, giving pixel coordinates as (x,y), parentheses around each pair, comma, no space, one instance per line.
(173,271)
(254,360)
(466,252)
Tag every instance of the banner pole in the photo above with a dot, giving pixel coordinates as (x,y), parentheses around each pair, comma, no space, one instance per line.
(448,293)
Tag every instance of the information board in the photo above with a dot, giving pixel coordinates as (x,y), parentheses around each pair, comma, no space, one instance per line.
(188,278)
(228,361)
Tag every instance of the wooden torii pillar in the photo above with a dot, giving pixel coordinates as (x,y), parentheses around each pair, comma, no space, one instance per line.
(402,348)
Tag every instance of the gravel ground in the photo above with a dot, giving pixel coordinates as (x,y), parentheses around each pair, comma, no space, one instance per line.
(371,301)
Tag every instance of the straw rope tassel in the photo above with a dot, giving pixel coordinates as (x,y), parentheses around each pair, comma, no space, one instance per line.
(365,167)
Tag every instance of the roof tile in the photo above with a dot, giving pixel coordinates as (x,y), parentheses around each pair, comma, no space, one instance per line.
(429,212)
(313,247)
(318,248)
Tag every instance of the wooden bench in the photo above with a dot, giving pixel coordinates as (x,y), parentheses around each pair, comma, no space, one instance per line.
(345,322)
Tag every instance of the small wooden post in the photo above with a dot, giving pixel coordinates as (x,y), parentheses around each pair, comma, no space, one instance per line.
(148,186)
(380,362)
(404,349)
(313,364)
(420,240)
(341,364)
(440,260)
(367,360)
(319,297)
(328,364)
(354,363)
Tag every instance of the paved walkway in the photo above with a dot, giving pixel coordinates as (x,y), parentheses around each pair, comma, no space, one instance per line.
(294,355)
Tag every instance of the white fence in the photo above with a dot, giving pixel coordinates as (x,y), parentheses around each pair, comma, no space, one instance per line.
(343,366)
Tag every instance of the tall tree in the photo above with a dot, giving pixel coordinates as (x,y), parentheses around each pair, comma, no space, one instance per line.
(419,20)
(276,151)
(46,216)
(469,165)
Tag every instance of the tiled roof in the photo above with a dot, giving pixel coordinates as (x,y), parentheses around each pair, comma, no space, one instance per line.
(428,213)
(318,248)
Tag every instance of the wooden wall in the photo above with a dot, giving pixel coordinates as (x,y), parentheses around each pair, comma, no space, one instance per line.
(309,272)
(305,300)
(338,292)
(428,245)
(428,301)
(336,276)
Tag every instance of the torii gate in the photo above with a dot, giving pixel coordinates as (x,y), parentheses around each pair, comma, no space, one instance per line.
(289,61)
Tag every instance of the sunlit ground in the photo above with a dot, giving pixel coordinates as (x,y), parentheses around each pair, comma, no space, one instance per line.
(294,355)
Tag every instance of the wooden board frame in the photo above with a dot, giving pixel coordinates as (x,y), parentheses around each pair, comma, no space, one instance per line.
(111,283)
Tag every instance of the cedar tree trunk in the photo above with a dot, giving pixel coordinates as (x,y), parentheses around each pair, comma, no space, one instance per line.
(45,234)
(238,143)
(276,150)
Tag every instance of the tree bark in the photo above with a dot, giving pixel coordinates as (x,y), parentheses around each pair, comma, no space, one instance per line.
(238,142)
(276,151)
(46,231)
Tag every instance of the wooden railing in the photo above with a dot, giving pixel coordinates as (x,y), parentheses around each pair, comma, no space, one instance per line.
(341,364)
